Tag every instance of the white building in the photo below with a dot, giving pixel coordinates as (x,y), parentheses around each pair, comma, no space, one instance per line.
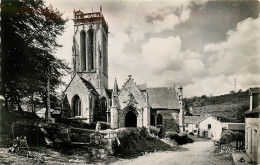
(192,124)
(210,127)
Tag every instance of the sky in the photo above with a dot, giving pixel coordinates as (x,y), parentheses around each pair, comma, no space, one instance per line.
(203,46)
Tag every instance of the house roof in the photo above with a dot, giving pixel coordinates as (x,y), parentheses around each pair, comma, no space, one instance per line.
(88,85)
(207,116)
(163,98)
(254,90)
(253,112)
(233,126)
(193,119)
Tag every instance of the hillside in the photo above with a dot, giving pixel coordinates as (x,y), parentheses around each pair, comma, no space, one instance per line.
(227,108)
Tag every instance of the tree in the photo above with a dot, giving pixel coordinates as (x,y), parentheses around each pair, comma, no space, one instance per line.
(29,33)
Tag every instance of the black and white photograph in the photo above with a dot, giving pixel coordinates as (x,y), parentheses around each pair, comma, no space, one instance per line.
(128,82)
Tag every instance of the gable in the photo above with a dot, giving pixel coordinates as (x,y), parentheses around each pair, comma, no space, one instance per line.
(163,98)
(130,88)
(79,85)
(210,119)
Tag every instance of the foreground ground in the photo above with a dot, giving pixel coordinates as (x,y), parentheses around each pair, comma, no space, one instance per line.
(201,152)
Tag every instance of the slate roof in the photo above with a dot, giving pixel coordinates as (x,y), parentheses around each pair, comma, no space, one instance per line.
(254,90)
(163,98)
(193,119)
(233,126)
(254,111)
(88,85)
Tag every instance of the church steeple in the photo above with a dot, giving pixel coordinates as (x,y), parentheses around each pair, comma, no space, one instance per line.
(115,100)
(115,89)
(90,44)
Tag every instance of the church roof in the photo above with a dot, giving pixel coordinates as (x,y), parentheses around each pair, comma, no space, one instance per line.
(88,85)
(193,119)
(163,98)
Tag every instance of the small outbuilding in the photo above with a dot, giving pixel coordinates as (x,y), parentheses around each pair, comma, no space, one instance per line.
(192,124)
(210,127)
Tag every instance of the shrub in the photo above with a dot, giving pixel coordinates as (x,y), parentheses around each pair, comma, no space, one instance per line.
(181,138)
(161,133)
(137,141)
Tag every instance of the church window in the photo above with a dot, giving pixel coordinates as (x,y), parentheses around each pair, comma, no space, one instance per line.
(76,106)
(83,49)
(159,119)
(91,49)
(101,116)
(104,48)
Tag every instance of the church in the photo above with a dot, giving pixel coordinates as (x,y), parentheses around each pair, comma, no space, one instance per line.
(88,99)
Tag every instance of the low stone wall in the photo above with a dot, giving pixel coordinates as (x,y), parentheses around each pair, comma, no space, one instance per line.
(102,144)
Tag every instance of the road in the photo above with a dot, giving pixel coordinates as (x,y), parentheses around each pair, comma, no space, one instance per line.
(197,153)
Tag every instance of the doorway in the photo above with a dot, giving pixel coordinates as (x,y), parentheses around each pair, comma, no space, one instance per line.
(130,119)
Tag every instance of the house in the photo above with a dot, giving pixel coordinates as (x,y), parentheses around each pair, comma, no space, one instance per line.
(192,124)
(210,127)
(88,99)
(252,127)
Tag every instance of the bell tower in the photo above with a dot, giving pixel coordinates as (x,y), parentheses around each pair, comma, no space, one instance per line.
(89,50)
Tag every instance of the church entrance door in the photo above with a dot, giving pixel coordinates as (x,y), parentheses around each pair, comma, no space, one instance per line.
(130,119)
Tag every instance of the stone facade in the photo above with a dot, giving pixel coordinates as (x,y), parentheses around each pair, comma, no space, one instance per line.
(87,97)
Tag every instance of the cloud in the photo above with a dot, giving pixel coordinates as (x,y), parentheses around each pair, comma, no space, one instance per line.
(237,58)
(239,53)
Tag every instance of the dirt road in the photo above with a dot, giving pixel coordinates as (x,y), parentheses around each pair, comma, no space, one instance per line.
(198,153)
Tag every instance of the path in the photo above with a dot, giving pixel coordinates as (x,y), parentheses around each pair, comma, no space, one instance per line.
(198,153)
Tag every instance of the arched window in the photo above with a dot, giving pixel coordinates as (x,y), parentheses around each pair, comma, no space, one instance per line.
(102,109)
(76,106)
(83,49)
(159,119)
(91,49)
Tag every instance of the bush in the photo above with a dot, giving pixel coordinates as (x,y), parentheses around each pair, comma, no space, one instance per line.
(191,133)
(161,133)
(181,138)
(137,141)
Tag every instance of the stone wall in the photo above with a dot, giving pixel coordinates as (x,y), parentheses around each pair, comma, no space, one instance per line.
(102,144)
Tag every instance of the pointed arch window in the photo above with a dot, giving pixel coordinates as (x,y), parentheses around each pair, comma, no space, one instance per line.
(90,49)
(76,106)
(83,49)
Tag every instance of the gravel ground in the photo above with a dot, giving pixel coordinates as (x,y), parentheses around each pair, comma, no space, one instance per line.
(198,153)
(201,152)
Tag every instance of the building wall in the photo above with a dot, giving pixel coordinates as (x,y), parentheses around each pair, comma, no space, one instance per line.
(170,119)
(78,88)
(191,127)
(99,76)
(136,100)
(216,128)
(252,138)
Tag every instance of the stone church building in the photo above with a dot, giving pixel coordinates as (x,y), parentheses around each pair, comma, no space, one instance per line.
(88,99)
